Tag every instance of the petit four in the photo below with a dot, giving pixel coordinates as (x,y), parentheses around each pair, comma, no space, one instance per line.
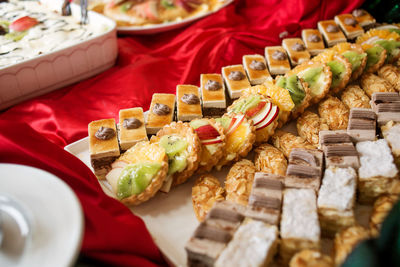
(212,138)
(339,66)
(371,83)
(386,106)
(239,181)
(103,145)
(188,106)
(349,25)
(299,223)
(362,124)
(256,69)
(355,54)
(331,32)
(269,159)
(285,142)
(310,258)
(317,75)
(355,97)
(382,207)
(309,125)
(391,74)
(296,50)
(334,113)
(338,149)
(336,200)
(235,79)
(139,173)
(346,241)
(305,168)
(254,244)
(298,90)
(205,192)
(161,112)
(391,132)
(212,95)
(363,18)
(312,38)
(261,111)
(131,127)
(377,169)
(265,198)
(183,148)
(277,59)
(240,136)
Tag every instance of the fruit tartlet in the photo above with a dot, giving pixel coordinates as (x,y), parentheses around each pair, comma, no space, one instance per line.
(139,173)
(308,126)
(317,75)
(240,134)
(205,192)
(334,113)
(376,57)
(355,55)
(212,139)
(261,111)
(285,142)
(298,90)
(355,97)
(183,148)
(339,66)
(389,40)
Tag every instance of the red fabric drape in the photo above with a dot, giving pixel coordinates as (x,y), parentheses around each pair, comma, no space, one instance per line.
(146,64)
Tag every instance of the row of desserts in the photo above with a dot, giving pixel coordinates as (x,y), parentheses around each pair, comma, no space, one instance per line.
(335,201)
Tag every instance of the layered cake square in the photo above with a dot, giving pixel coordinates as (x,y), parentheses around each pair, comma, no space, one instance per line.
(331,32)
(349,26)
(213,95)
(296,50)
(256,69)
(386,106)
(362,124)
(131,127)
(277,59)
(312,38)
(161,112)
(188,103)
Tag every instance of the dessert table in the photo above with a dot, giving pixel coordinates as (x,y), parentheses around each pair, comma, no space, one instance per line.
(34,132)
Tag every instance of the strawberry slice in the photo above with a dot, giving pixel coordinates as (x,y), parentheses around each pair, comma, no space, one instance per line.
(253,111)
(23,24)
(206,132)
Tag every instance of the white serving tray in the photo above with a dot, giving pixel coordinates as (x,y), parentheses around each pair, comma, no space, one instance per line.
(170,218)
(60,68)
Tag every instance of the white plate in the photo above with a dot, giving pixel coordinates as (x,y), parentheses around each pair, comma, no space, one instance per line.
(50,210)
(167,26)
(170,217)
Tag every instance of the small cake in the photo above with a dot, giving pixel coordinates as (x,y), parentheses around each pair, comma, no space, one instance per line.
(349,26)
(299,223)
(254,244)
(269,159)
(131,127)
(331,32)
(188,105)
(377,170)
(235,79)
(265,198)
(391,74)
(313,40)
(161,112)
(304,169)
(285,142)
(310,258)
(336,200)
(386,106)
(364,18)
(256,69)
(205,192)
(296,50)
(355,97)
(334,113)
(212,95)
(391,132)
(362,125)
(372,83)
(239,181)
(103,145)
(277,59)
(382,206)
(309,125)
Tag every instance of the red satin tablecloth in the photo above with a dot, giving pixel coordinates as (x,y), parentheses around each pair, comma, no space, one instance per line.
(35,132)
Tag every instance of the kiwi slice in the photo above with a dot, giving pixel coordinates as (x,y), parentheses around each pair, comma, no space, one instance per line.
(224,121)
(173,144)
(337,69)
(246,103)
(293,85)
(392,48)
(281,82)
(354,58)
(373,55)
(312,75)
(198,123)
(177,164)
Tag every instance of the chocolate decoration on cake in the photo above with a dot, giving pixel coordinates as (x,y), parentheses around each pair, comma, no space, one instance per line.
(313,38)
(236,76)
(332,28)
(161,109)
(279,55)
(104,133)
(257,65)
(350,21)
(298,47)
(358,13)
(131,123)
(212,85)
(190,99)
